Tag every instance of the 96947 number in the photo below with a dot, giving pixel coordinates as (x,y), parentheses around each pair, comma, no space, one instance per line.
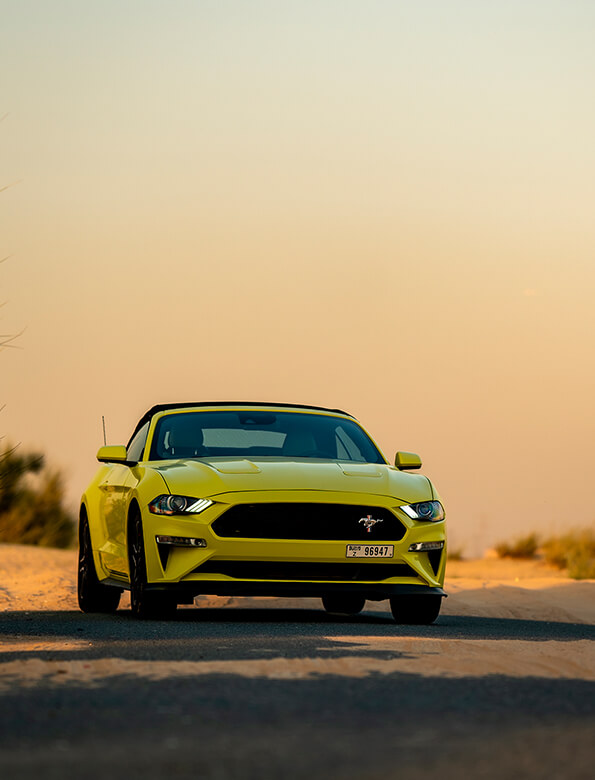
(369,551)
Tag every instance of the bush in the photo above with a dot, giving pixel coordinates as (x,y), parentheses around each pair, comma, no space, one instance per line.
(574,551)
(31,502)
(525,547)
(454,554)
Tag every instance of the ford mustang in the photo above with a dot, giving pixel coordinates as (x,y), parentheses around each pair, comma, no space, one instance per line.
(259,499)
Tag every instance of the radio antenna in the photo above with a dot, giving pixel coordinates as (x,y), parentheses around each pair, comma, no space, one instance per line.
(103,422)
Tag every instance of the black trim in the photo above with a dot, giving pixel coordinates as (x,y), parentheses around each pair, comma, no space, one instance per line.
(188,405)
(369,591)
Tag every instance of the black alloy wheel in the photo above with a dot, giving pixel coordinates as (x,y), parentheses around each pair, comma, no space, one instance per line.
(343,603)
(145,604)
(416,610)
(92,595)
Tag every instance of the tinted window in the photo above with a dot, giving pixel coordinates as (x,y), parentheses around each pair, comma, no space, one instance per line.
(251,434)
(346,446)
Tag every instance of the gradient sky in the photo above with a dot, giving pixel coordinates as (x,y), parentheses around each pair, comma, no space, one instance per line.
(386,206)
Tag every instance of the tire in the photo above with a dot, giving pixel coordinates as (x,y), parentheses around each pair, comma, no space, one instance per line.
(92,595)
(145,604)
(416,610)
(343,603)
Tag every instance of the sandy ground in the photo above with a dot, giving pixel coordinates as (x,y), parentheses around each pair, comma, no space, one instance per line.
(34,580)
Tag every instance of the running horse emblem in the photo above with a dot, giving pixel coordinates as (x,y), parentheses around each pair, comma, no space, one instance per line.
(369,522)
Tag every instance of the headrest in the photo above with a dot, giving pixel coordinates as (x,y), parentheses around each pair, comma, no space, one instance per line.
(185,432)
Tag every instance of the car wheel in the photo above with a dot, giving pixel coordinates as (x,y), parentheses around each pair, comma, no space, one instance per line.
(145,604)
(343,604)
(92,595)
(416,610)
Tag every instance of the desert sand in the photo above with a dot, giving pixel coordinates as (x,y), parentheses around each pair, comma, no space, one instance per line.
(34,580)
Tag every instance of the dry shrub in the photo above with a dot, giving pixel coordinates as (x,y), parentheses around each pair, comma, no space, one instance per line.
(454,554)
(31,502)
(524,547)
(574,551)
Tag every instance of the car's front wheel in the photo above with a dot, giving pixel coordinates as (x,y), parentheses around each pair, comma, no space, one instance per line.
(416,610)
(343,603)
(145,604)
(92,595)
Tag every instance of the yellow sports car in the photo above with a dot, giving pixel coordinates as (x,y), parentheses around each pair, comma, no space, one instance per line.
(258,499)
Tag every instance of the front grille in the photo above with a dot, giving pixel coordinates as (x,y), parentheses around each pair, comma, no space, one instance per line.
(273,570)
(308,521)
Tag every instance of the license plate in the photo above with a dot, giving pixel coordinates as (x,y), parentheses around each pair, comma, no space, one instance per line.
(369,551)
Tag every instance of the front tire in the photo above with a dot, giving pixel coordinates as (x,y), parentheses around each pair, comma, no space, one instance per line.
(416,610)
(343,603)
(145,604)
(92,595)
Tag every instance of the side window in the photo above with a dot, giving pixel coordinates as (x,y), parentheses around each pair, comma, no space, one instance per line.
(137,445)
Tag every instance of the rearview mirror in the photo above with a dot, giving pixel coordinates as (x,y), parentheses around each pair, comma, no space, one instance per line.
(407,460)
(113,453)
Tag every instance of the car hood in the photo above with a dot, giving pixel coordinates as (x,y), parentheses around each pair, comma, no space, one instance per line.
(209,478)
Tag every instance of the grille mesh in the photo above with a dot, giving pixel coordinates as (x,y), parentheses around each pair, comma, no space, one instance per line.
(309,521)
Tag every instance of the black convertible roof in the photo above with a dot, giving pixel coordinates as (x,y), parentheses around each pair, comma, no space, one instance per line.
(186,405)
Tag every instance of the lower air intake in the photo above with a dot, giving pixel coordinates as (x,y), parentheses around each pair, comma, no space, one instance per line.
(326,572)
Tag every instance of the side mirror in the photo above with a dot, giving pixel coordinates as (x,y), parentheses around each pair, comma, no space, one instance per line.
(112,454)
(407,460)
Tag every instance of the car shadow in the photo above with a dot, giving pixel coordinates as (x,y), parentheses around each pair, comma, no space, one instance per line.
(219,633)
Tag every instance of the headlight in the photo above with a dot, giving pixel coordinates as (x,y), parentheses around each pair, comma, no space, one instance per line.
(425,510)
(178,505)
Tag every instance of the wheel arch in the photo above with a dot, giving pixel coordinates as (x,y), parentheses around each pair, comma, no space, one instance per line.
(85,515)
(133,509)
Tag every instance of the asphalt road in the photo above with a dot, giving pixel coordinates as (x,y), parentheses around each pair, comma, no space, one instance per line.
(329,726)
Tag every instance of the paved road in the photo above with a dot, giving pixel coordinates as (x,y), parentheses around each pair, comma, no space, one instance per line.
(229,725)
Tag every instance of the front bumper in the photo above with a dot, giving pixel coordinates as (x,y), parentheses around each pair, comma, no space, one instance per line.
(297,567)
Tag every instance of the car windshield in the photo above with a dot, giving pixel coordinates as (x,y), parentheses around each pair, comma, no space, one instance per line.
(250,434)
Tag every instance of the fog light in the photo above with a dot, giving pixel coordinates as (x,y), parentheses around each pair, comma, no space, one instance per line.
(425,546)
(181,541)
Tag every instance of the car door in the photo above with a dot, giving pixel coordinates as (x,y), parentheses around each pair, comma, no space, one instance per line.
(118,489)
(113,504)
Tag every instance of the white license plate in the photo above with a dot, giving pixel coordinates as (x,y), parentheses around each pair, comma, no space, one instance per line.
(369,551)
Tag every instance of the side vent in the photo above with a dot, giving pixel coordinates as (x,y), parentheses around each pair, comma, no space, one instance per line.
(435,556)
(163,550)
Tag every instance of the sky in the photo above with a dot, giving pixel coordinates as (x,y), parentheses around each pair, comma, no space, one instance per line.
(386,207)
